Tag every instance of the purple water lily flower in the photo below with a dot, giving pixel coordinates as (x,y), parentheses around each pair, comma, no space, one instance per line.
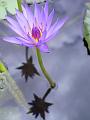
(34,30)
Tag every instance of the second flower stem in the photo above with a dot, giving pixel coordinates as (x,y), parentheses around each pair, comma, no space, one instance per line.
(51,82)
(26,50)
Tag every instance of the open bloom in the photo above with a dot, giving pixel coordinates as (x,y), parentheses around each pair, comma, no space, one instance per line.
(36,29)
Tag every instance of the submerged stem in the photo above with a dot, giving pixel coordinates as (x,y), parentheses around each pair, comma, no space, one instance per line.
(47,93)
(26,49)
(51,82)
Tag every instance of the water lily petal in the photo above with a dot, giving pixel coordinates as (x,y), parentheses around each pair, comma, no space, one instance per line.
(43,36)
(37,13)
(22,21)
(24,11)
(18,40)
(49,20)
(57,25)
(42,21)
(13,40)
(46,10)
(49,32)
(15,26)
(29,16)
(43,48)
(60,24)
(50,37)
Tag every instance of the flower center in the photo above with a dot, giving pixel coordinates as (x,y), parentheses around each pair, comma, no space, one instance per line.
(36,33)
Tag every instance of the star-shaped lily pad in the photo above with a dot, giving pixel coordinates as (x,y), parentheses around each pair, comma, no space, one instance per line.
(39,107)
(28,69)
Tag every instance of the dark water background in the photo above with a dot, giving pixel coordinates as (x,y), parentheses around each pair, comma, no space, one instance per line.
(67,63)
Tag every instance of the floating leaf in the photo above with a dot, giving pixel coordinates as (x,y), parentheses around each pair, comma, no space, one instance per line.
(8,5)
(28,69)
(86,38)
(11,5)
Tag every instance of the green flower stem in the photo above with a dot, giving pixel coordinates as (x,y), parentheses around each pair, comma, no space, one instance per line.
(19,5)
(51,82)
(13,88)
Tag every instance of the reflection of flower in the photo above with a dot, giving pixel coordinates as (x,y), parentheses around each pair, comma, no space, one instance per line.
(9,5)
(34,30)
(28,69)
(39,106)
